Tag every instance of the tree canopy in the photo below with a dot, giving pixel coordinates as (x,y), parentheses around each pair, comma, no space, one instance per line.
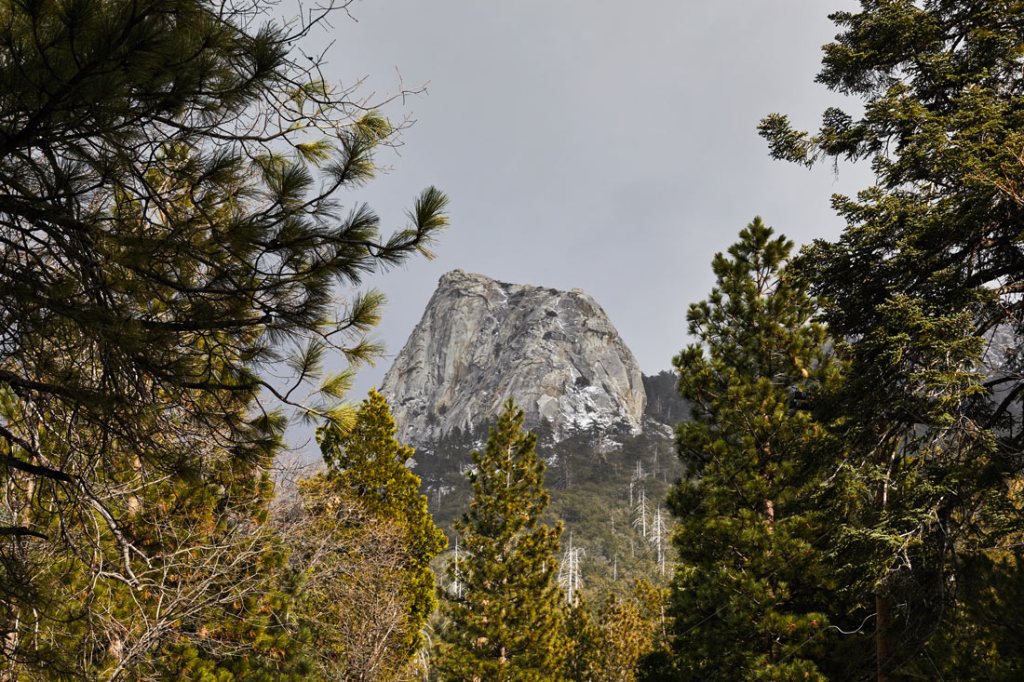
(363,543)
(926,276)
(748,596)
(172,227)
(507,622)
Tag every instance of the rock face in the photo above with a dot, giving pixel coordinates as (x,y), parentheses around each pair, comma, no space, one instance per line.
(481,342)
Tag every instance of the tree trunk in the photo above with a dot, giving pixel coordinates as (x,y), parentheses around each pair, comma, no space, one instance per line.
(883,602)
(883,645)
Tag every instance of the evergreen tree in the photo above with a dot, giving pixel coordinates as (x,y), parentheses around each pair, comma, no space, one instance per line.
(245,626)
(509,625)
(170,183)
(369,538)
(609,645)
(929,267)
(746,598)
(985,639)
(585,634)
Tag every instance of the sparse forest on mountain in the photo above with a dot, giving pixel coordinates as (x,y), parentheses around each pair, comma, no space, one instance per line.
(828,485)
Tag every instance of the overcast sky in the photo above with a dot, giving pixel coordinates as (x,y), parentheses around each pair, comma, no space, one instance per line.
(610,146)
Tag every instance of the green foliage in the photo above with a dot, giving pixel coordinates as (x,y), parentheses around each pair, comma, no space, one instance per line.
(249,635)
(609,645)
(170,186)
(747,599)
(984,640)
(367,468)
(508,622)
(586,636)
(929,267)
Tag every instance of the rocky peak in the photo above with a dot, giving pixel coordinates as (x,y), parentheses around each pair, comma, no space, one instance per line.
(481,342)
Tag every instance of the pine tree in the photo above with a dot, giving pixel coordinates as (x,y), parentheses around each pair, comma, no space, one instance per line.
(746,598)
(247,630)
(625,637)
(171,179)
(365,544)
(928,267)
(509,625)
(587,641)
(610,644)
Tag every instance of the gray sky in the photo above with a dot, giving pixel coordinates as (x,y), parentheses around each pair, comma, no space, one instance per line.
(609,146)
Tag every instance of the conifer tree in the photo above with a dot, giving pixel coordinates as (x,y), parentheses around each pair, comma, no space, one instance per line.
(171,184)
(509,625)
(365,546)
(609,645)
(586,636)
(746,598)
(928,268)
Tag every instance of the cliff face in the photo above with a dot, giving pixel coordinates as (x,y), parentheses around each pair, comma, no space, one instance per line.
(481,342)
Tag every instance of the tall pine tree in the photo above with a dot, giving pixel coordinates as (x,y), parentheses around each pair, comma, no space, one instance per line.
(509,624)
(929,267)
(365,545)
(747,597)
